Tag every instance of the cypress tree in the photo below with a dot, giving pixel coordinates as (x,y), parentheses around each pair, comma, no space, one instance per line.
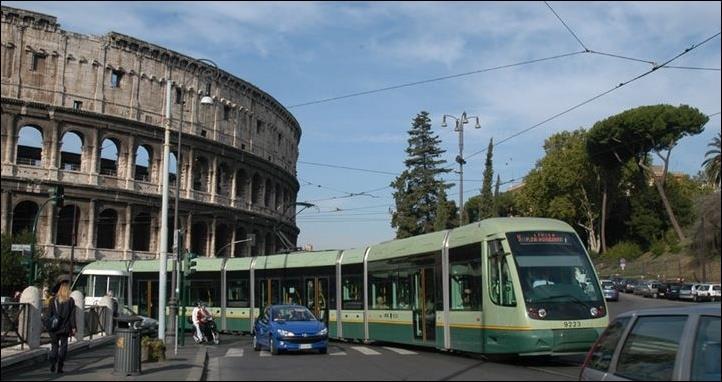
(496,195)
(486,206)
(418,191)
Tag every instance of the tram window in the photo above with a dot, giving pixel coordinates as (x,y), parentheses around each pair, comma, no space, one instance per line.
(465,278)
(237,293)
(352,292)
(81,284)
(501,289)
(291,291)
(100,286)
(380,290)
(402,290)
(206,291)
(118,286)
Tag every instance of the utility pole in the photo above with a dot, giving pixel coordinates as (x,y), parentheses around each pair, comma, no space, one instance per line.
(460,158)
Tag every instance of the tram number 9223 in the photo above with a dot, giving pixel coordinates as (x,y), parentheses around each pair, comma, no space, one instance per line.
(572,324)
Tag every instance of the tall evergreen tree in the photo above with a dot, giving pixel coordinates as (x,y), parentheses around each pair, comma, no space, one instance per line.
(496,195)
(417,194)
(486,207)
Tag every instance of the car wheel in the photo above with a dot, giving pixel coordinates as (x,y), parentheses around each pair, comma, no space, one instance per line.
(274,349)
(323,350)
(256,346)
(695,298)
(656,295)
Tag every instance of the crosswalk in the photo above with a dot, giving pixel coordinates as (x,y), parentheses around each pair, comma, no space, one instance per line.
(332,351)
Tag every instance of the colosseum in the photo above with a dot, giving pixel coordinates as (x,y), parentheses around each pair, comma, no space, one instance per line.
(87,113)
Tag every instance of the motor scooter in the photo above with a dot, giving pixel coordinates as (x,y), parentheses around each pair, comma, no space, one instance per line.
(209,331)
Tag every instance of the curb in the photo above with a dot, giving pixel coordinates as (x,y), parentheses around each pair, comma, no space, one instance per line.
(40,355)
(197,373)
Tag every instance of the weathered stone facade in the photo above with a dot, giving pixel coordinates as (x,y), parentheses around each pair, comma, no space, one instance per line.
(238,157)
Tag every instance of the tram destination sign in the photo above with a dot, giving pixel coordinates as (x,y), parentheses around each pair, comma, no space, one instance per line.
(535,237)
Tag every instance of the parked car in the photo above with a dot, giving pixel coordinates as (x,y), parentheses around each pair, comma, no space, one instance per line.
(707,292)
(687,292)
(629,286)
(672,292)
(610,292)
(289,327)
(668,344)
(148,326)
(642,287)
(653,290)
(618,283)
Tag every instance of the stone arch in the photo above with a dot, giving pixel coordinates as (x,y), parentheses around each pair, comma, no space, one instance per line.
(71,151)
(200,174)
(64,227)
(279,198)
(241,180)
(109,154)
(223,239)
(268,194)
(223,180)
(241,249)
(143,163)
(256,190)
(140,228)
(106,229)
(23,216)
(256,249)
(199,238)
(29,150)
(268,244)
(173,167)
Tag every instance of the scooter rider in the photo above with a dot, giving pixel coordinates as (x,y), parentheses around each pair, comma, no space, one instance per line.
(198,317)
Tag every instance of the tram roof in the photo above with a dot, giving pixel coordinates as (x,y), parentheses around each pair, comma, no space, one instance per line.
(150,265)
(297,260)
(353,256)
(105,265)
(409,246)
(516,224)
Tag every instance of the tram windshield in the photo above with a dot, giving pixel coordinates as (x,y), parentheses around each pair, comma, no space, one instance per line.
(555,271)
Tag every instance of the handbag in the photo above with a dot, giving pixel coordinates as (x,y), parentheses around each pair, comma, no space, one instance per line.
(52,323)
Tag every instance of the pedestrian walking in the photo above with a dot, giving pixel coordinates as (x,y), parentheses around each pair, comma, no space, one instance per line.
(62,307)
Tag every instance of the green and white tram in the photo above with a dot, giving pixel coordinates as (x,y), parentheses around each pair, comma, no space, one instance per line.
(501,286)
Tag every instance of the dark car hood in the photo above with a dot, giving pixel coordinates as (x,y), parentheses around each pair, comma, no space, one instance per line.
(300,327)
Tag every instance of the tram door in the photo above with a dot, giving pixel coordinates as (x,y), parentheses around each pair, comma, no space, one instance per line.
(424,305)
(147,297)
(317,297)
(269,291)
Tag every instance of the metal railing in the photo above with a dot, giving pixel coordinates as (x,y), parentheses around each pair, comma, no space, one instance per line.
(11,313)
(95,318)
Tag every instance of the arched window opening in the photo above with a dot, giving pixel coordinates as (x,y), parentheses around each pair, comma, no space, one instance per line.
(259,244)
(23,217)
(141,232)
(106,229)
(241,185)
(30,146)
(223,180)
(199,238)
(64,228)
(172,169)
(268,194)
(241,249)
(200,174)
(71,151)
(279,198)
(256,190)
(143,160)
(269,244)
(109,157)
(223,240)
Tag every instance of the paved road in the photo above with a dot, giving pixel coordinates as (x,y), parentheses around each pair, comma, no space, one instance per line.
(235,359)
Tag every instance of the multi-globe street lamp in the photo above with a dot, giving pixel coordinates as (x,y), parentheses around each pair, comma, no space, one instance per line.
(460,122)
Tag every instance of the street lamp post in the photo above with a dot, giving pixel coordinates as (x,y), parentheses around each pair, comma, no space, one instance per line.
(460,122)
(162,279)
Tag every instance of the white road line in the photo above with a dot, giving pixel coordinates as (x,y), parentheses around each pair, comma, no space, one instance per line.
(365,350)
(338,353)
(233,352)
(265,353)
(400,351)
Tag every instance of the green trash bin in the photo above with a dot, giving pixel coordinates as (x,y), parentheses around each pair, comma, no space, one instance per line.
(127,346)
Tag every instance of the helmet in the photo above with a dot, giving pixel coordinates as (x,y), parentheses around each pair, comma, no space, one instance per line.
(199,303)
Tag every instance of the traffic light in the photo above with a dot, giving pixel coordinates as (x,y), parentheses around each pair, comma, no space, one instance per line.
(189,264)
(57,194)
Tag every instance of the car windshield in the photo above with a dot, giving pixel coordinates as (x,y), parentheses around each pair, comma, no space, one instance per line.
(292,313)
(685,287)
(553,268)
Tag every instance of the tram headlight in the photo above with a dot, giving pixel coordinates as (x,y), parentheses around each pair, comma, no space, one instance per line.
(597,311)
(537,314)
(285,333)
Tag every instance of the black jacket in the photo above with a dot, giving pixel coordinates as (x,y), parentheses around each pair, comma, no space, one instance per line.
(66,313)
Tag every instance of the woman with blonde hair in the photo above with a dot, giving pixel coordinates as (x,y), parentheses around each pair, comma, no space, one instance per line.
(62,307)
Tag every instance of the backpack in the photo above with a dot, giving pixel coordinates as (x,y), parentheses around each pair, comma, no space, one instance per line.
(52,323)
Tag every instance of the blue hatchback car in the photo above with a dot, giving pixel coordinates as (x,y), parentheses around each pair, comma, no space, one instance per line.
(289,327)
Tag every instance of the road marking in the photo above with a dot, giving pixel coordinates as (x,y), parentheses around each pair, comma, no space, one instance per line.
(233,352)
(365,350)
(265,353)
(400,351)
(338,353)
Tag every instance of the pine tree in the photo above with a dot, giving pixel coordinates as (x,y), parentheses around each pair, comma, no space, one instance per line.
(418,191)
(496,195)
(486,207)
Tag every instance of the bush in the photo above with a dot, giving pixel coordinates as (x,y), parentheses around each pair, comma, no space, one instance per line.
(624,249)
(154,347)
(658,247)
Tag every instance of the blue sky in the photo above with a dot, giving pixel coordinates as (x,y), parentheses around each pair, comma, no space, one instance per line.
(304,52)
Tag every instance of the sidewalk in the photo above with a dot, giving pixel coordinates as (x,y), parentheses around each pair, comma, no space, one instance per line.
(97,364)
